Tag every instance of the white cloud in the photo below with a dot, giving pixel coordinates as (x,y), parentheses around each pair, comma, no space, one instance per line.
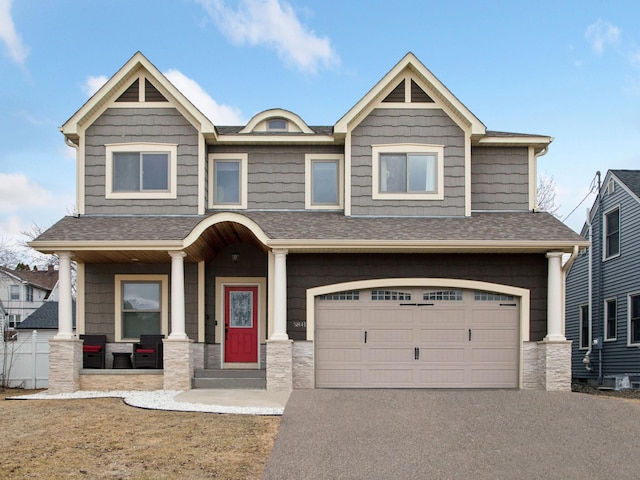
(217,113)
(8,35)
(275,24)
(93,84)
(601,34)
(17,192)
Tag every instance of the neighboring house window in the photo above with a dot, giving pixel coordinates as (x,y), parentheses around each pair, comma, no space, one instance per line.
(141,306)
(612,233)
(29,293)
(584,326)
(228,180)
(323,181)
(611,330)
(15,292)
(277,125)
(136,170)
(14,320)
(408,172)
(634,318)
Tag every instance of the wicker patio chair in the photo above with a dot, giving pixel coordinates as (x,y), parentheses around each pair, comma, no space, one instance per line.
(148,352)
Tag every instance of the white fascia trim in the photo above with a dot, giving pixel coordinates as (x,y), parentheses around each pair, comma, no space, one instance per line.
(407,148)
(523,293)
(524,140)
(142,147)
(265,138)
(243,158)
(620,183)
(276,113)
(164,300)
(309,158)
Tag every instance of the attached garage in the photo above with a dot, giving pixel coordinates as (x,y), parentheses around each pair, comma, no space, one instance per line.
(417,338)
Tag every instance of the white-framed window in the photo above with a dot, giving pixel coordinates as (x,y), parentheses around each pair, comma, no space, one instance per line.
(611,233)
(324,180)
(141,170)
(14,320)
(29,293)
(346,295)
(228,179)
(407,171)
(611,319)
(633,307)
(14,292)
(277,125)
(141,306)
(585,336)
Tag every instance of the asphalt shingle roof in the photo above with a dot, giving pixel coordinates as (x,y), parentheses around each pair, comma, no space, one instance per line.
(277,225)
(44,279)
(45,317)
(631,178)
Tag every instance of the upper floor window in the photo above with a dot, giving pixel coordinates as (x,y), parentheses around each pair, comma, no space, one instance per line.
(612,233)
(408,172)
(141,171)
(634,318)
(277,125)
(228,180)
(14,292)
(611,310)
(29,293)
(584,326)
(323,179)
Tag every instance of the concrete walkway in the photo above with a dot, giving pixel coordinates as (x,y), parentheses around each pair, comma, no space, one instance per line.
(426,434)
(236,401)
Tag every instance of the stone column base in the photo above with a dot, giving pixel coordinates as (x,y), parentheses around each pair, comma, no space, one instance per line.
(65,362)
(303,374)
(555,365)
(178,364)
(279,365)
(531,371)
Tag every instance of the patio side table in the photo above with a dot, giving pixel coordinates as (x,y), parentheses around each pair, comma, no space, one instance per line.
(122,360)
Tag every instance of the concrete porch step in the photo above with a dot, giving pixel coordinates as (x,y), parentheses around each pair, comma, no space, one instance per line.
(229,379)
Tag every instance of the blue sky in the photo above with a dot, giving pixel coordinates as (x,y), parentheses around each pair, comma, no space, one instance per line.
(568,69)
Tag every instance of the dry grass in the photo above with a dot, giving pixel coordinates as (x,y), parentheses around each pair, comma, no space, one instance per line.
(104,438)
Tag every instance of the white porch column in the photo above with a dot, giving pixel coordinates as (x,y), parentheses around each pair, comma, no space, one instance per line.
(554,298)
(177,296)
(280,296)
(65,313)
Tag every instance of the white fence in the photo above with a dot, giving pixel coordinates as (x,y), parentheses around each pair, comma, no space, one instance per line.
(24,362)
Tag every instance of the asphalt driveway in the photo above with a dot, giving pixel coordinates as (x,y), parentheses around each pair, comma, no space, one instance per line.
(471,435)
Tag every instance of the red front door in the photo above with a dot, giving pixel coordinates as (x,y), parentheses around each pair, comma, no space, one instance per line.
(241,324)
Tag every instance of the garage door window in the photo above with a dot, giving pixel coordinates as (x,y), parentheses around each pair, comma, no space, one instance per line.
(348,295)
(443,295)
(390,295)
(491,297)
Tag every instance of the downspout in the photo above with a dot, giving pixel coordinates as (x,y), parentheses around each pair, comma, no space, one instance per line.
(587,357)
(600,342)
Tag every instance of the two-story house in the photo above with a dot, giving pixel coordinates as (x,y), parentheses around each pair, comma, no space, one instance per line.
(399,247)
(603,287)
(24,291)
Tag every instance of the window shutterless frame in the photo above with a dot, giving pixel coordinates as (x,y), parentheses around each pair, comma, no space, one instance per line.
(611,319)
(128,287)
(611,233)
(324,181)
(141,171)
(407,172)
(585,333)
(633,312)
(228,180)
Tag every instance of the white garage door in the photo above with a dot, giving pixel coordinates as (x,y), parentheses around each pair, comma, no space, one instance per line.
(416,338)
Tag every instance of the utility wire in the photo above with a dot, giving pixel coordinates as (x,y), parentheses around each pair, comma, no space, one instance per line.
(592,187)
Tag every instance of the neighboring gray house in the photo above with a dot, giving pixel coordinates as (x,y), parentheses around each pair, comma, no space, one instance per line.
(603,285)
(24,291)
(400,247)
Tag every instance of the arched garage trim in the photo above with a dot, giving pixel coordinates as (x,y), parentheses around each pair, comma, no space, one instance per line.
(522,293)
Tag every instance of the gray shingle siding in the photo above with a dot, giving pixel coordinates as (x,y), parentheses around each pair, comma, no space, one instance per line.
(135,125)
(276,173)
(425,126)
(619,279)
(499,178)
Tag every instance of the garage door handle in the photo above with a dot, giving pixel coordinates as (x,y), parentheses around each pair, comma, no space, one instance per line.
(469,334)
(508,305)
(408,304)
(424,304)
(365,336)
(416,353)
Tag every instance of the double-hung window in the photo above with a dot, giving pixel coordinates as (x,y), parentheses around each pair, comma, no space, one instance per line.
(634,318)
(29,293)
(584,326)
(611,311)
(141,171)
(323,181)
(14,292)
(408,171)
(228,180)
(141,306)
(612,233)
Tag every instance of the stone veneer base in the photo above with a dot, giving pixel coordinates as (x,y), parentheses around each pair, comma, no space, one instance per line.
(178,364)
(280,365)
(555,365)
(65,361)
(107,380)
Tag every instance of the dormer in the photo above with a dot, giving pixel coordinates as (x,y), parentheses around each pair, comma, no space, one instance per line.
(276,121)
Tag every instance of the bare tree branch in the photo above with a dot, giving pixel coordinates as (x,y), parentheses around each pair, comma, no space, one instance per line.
(547,194)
